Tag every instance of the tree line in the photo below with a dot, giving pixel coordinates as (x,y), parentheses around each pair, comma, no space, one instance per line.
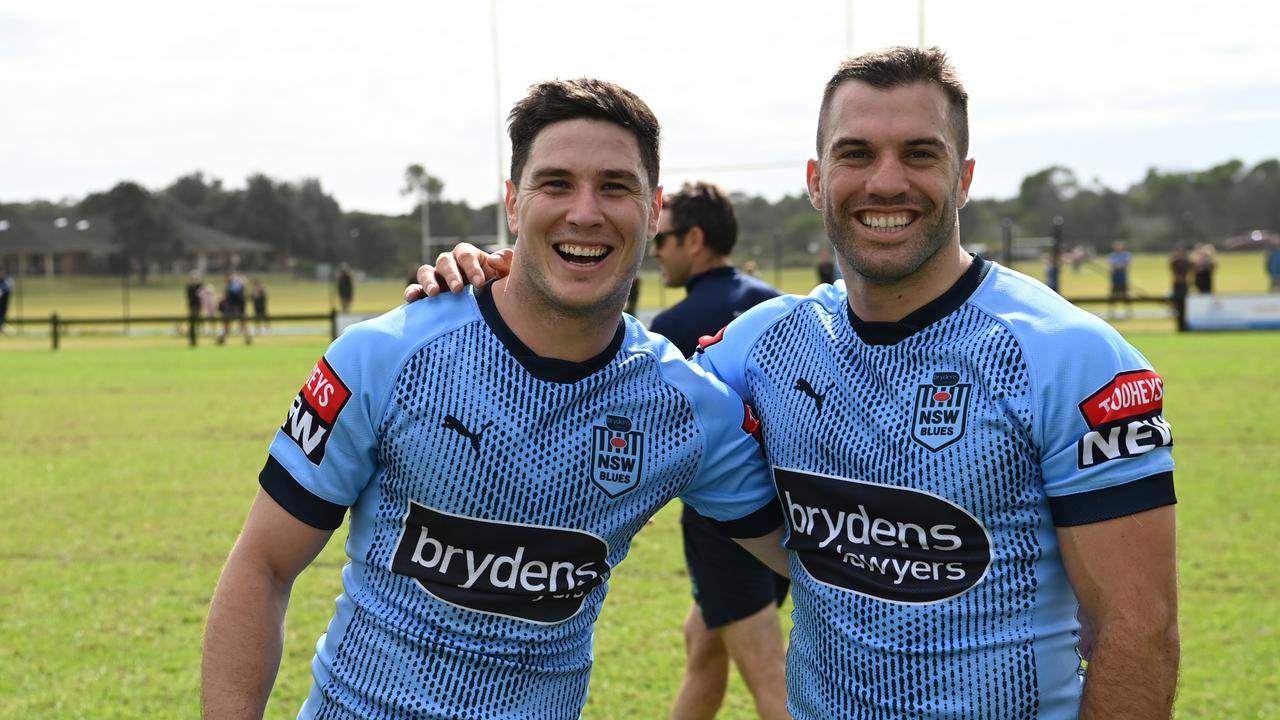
(306,225)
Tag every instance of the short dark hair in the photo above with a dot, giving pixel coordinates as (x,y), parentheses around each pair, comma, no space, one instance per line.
(557,100)
(707,206)
(897,66)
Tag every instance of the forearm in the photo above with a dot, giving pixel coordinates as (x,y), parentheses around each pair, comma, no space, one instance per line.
(768,550)
(243,642)
(1132,675)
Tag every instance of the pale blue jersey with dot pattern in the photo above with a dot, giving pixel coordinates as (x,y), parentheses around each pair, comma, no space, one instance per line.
(488,503)
(923,468)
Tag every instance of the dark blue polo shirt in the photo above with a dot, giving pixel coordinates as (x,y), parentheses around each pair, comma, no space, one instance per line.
(712,299)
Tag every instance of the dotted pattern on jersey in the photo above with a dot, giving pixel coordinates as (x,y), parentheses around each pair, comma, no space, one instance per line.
(853,656)
(533,468)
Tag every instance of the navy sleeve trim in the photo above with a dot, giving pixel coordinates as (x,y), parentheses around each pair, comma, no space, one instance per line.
(1150,492)
(300,502)
(761,522)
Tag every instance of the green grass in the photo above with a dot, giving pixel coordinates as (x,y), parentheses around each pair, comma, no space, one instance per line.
(127,473)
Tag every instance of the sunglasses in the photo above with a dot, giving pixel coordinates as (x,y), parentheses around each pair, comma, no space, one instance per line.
(661,237)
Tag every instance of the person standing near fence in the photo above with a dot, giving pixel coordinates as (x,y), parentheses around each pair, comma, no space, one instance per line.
(346,287)
(259,299)
(1273,264)
(734,616)
(1204,267)
(193,295)
(233,308)
(6,292)
(1119,261)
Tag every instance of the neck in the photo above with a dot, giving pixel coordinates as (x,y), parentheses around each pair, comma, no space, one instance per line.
(549,332)
(891,301)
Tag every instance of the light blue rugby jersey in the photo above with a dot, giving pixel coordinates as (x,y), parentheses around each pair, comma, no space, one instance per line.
(923,468)
(491,493)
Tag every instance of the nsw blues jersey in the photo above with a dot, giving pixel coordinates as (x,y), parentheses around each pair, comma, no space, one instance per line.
(923,467)
(491,493)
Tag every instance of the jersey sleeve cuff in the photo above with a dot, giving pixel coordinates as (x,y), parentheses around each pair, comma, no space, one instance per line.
(1083,508)
(761,522)
(297,500)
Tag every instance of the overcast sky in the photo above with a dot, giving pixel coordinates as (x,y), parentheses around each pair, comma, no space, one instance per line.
(92,93)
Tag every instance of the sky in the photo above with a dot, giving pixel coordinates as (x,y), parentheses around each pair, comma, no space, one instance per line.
(92,93)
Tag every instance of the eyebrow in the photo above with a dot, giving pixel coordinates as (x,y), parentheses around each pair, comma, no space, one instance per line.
(608,174)
(913,142)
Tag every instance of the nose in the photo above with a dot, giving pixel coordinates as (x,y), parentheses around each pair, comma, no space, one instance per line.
(888,178)
(584,210)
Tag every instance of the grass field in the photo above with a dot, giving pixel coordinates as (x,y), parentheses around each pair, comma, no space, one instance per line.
(127,471)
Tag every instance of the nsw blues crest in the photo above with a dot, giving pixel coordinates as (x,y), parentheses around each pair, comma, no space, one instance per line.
(940,411)
(617,455)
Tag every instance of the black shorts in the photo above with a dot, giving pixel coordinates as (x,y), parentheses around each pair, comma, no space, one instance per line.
(729,583)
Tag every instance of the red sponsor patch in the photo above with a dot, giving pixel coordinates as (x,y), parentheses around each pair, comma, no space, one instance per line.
(325,392)
(942,396)
(707,341)
(1128,395)
(618,442)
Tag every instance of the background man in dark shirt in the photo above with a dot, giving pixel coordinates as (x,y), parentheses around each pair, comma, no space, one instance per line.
(736,598)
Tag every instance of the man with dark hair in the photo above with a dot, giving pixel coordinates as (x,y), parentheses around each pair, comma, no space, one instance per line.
(966,460)
(485,521)
(736,597)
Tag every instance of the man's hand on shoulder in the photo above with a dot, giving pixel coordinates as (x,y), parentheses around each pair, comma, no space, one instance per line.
(465,264)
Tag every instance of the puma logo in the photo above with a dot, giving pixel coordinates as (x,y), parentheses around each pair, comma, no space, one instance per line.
(454,424)
(803,386)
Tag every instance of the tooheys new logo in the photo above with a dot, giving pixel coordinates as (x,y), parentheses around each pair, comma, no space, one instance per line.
(315,410)
(527,572)
(1126,419)
(882,541)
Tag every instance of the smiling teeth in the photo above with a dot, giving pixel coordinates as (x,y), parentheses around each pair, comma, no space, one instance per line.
(882,221)
(582,250)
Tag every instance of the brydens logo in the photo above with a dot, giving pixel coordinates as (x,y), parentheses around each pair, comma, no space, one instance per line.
(1125,418)
(526,572)
(886,542)
(315,410)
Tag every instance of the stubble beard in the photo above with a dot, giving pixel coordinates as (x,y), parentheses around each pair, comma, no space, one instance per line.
(933,234)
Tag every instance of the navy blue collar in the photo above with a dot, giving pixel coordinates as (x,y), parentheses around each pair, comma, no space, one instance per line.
(727,271)
(891,333)
(543,368)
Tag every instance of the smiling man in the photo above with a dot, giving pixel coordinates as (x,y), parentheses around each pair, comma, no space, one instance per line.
(486,517)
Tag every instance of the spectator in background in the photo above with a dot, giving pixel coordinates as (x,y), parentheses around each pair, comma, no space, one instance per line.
(6,291)
(233,307)
(259,298)
(826,268)
(1273,264)
(194,304)
(735,597)
(1119,261)
(1180,269)
(752,268)
(1050,271)
(1204,266)
(346,287)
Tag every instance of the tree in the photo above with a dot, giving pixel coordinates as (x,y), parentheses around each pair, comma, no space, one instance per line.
(142,225)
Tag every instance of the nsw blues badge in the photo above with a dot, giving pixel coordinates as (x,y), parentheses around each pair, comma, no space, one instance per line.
(940,411)
(617,456)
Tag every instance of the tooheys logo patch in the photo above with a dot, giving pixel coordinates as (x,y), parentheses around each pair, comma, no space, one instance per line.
(527,572)
(1126,419)
(881,541)
(315,410)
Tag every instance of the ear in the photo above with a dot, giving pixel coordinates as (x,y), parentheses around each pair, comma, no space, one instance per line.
(513,217)
(813,180)
(655,209)
(695,240)
(966,179)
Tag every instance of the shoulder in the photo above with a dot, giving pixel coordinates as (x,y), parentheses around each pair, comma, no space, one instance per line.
(376,347)
(675,371)
(1036,314)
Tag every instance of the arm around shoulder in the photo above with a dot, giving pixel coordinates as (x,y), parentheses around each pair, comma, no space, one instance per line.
(244,635)
(1124,573)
